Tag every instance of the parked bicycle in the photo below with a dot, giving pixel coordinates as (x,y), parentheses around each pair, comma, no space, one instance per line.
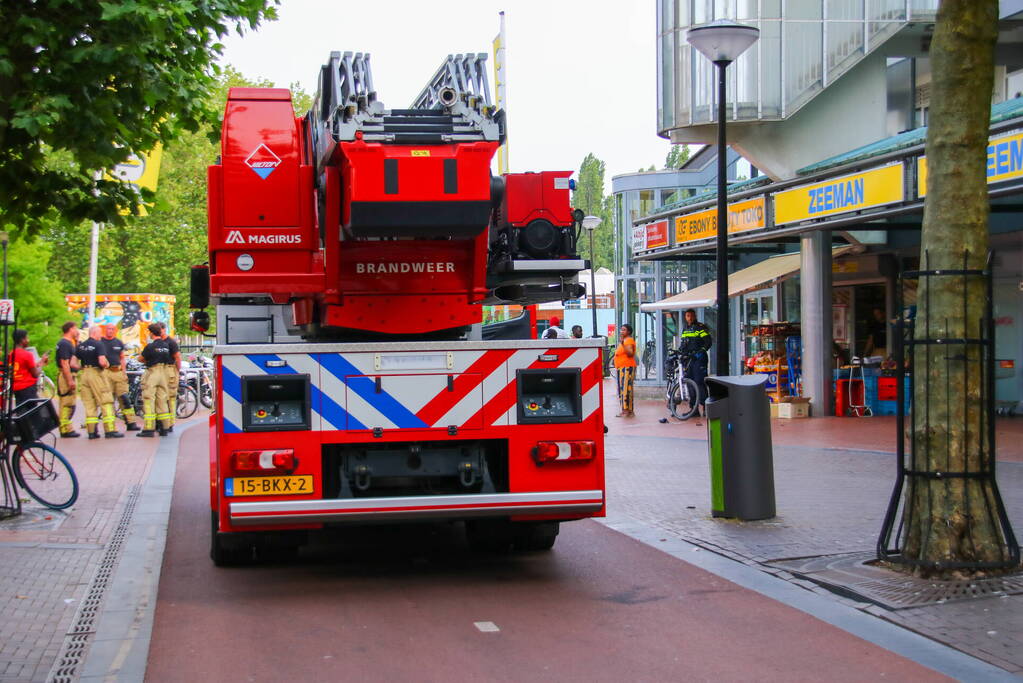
(39,469)
(200,376)
(682,393)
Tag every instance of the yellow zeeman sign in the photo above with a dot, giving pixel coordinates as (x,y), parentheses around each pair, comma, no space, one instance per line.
(742,216)
(420,152)
(876,187)
(1004,162)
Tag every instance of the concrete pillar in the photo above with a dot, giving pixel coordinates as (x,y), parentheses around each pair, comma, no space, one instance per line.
(815,320)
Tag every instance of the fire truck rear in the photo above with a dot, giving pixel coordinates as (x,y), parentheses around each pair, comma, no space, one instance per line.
(351,252)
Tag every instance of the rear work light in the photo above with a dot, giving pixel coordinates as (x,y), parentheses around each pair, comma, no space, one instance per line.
(272,461)
(552,451)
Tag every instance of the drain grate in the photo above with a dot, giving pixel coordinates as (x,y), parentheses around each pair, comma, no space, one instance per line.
(852,575)
(79,636)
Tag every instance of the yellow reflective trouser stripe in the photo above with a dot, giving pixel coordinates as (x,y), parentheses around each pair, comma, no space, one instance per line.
(92,420)
(108,417)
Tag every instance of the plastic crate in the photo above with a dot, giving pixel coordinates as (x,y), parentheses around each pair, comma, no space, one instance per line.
(34,418)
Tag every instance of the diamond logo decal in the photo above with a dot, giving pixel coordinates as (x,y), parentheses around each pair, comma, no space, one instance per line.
(263,161)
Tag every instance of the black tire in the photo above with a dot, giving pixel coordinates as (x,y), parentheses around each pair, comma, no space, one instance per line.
(489,535)
(536,536)
(206,396)
(188,402)
(46,475)
(684,401)
(226,552)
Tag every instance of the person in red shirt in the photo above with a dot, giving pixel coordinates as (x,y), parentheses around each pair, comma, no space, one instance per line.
(25,369)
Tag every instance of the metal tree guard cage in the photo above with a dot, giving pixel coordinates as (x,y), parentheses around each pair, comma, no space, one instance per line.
(912,467)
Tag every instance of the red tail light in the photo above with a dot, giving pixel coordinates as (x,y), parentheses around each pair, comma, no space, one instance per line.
(264,461)
(551,451)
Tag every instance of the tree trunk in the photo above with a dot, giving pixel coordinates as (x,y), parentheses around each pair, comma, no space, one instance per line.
(946,518)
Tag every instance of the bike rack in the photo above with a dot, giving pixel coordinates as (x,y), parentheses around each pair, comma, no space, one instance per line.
(10,502)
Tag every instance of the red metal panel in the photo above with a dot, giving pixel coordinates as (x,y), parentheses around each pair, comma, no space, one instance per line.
(529,196)
(260,154)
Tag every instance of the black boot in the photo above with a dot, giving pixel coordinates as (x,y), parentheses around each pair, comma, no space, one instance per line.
(131,427)
(70,435)
(113,435)
(170,430)
(146,433)
(93,435)
(163,432)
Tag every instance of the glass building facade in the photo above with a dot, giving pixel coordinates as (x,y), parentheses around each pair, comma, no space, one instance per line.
(803,47)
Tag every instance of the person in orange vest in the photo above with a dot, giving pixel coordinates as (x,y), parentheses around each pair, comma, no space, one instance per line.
(625,364)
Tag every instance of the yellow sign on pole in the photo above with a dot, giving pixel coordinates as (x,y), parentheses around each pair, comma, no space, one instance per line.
(742,217)
(853,192)
(139,171)
(1004,162)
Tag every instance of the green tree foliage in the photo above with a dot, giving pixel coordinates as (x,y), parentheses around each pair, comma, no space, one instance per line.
(154,253)
(678,155)
(589,196)
(92,81)
(38,300)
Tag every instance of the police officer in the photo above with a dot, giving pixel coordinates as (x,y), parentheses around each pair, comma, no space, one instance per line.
(173,371)
(695,343)
(67,366)
(116,375)
(95,391)
(156,356)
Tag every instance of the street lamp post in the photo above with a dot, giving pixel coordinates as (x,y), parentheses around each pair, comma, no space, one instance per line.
(591,223)
(722,42)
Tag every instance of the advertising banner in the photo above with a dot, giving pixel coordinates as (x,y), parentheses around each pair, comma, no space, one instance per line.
(853,192)
(742,217)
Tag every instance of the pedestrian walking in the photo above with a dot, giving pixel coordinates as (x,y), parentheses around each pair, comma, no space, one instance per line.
(625,365)
(117,376)
(173,371)
(67,366)
(695,342)
(95,391)
(24,369)
(156,356)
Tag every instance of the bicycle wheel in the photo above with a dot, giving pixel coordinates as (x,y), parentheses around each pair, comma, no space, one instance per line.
(46,475)
(206,395)
(188,402)
(684,399)
(46,387)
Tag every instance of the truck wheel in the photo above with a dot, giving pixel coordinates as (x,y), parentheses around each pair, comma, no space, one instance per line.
(224,552)
(489,535)
(536,536)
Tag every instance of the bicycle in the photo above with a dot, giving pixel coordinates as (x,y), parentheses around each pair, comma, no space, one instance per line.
(682,393)
(40,470)
(188,401)
(46,388)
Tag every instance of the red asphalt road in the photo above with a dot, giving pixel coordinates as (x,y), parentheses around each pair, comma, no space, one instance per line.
(400,604)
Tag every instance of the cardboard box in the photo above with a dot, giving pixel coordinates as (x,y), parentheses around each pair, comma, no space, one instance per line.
(774,409)
(797,407)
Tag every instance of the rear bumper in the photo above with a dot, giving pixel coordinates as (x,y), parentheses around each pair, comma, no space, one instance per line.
(414,507)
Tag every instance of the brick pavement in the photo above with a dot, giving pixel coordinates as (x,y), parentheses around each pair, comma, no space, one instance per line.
(830,500)
(48,558)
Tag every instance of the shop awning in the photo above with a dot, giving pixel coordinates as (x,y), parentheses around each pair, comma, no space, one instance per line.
(768,272)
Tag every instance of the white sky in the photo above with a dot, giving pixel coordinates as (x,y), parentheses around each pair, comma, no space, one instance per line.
(581,73)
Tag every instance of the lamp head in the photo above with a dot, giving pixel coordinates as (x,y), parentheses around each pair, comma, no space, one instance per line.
(722,40)
(592,222)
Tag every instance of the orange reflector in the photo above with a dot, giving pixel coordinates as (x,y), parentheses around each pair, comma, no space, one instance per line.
(551,451)
(264,461)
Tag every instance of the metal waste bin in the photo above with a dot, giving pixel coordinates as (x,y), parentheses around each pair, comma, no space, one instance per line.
(739,441)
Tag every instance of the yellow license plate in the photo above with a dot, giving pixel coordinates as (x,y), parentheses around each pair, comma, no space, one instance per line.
(269,486)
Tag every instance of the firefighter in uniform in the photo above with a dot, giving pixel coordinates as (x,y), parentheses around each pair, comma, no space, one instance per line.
(116,375)
(173,371)
(95,391)
(696,341)
(67,365)
(156,356)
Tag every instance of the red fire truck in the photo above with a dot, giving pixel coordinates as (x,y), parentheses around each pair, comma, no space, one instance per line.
(351,251)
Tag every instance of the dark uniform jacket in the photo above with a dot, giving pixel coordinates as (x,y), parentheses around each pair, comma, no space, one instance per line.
(113,348)
(696,339)
(157,352)
(89,351)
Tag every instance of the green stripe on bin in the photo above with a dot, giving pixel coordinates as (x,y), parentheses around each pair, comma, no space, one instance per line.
(717,484)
